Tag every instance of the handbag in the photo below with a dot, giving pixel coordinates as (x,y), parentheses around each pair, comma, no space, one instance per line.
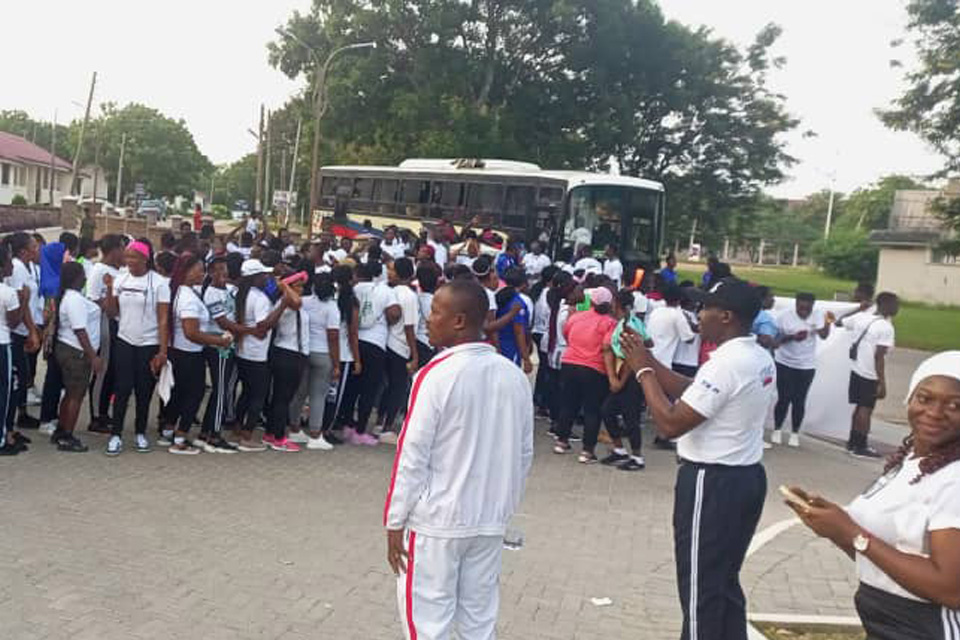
(855,347)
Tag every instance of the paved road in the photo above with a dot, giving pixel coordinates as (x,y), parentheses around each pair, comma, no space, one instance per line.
(289,546)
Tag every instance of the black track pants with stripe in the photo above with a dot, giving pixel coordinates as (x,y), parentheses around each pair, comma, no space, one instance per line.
(715,514)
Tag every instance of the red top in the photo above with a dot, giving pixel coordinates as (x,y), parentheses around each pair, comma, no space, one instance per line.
(197,220)
(585,333)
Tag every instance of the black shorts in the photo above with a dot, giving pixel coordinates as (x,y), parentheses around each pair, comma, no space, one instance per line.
(862,392)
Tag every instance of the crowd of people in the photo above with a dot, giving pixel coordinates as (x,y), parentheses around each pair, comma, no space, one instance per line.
(310,342)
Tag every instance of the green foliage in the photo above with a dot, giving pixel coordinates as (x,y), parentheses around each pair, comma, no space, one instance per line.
(236,181)
(847,254)
(869,208)
(39,132)
(566,84)
(948,210)
(18,200)
(930,107)
(221,212)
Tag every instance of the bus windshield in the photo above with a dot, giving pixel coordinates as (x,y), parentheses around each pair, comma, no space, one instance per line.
(601,215)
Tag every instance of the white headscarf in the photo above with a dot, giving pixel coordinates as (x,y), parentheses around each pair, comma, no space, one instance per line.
(946,363)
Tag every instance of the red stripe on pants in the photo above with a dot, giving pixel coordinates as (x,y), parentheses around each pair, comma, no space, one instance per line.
(411,627)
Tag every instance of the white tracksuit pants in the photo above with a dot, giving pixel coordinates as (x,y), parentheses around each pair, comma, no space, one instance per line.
(450,583)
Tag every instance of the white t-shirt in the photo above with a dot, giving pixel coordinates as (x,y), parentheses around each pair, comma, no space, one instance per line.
(288,336)
(258,307)
(492,300)
(333,256)
(324,315)
(535,264)
(20,278)
(734,390)
(425,301)
(253,226)
(903,515)
(641,304)
(374,301)
(688,353)
(96,290)
(409,316)
(346,355)
(397,250)
(668,327)
(138,297)
(877,331)
(9,301)
(76,312)
(440,252)
(588,265)
(464,259)
(233,247)
(36,300)
(541,314)
(220,303)
(802,354)
(613,269)
(187,304)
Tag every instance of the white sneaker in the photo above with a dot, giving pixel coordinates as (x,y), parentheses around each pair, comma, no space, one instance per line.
(114,446)
(48,428)
(32,398)
(776,437)
(318,444)
(143,445)
(794,440)
(767,445)
(388,437)
(299,437)
(205,446)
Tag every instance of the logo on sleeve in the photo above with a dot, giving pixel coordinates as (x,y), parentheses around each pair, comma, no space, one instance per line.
(709,386)
(766,375)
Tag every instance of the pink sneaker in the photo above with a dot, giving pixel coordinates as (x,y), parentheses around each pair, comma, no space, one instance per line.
(349,435)
(268,439)
(282,444)
(367,440)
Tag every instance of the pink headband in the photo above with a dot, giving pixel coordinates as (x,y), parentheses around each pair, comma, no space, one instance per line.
(140,247)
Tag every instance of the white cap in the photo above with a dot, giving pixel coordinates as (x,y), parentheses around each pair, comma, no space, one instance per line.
(946,363)
(253,267)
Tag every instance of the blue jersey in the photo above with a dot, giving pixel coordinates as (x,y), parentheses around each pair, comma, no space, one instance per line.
(508,341)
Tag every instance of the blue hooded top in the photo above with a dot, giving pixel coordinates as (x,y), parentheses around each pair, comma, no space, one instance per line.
(51,259)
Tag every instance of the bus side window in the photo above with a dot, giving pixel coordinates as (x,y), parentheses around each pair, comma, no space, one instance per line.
(448,200)
(328,188)
(486,200)
(385,196)
(414,196)
(362,194)
(518,211)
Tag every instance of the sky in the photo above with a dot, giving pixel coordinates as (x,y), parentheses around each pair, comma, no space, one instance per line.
(205,61)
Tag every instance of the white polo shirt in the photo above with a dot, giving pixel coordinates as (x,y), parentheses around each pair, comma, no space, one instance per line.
(188,305)
(77,312)
(374,300)
(903,515)
(409,316)
(668,327)
(9,301)
(734,390)
(613,269)
(257,308)
(289,335)
(96,290)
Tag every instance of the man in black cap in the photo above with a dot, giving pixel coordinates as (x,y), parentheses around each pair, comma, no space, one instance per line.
(721,483)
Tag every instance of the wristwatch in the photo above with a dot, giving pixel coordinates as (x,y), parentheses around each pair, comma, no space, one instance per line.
(861,543)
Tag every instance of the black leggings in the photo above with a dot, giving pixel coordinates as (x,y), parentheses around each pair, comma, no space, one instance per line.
(255,377)
(581,388)
(52,386)
(364,389)
(102,386)
(286,368)
(223,378)
(792,387)
(629,403)
(133,376)
(189,379)
(398,384)
(6,382)
(18,390)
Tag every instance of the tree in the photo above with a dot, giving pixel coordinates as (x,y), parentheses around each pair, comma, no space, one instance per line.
(37,131)
(236,181)
(869,207)
(564,84)
(160,151)
(930,107)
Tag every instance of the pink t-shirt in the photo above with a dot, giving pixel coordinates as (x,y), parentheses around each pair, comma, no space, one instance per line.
(585,332)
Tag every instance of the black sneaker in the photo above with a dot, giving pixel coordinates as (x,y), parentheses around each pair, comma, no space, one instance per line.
(332,439)
(615,459)
(19,438)
(9,450)
(99,426)
(633,464)
(575,437)
(222,446)
(27,422)
(663,443)
(868,453)
(71,444)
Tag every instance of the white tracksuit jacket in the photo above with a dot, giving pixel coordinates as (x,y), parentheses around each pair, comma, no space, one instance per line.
(466,446)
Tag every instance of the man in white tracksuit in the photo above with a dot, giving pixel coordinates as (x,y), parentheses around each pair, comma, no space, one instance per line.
(462,460)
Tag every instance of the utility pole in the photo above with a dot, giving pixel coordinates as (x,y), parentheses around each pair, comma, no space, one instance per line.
(293,173)
(96,166)
(83,126)
(268,192)
(53,155)
(256,200)
(826,228)
(119,194)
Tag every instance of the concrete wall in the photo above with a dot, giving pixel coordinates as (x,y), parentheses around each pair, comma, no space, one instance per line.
(135,227)
(908,273)
(27,218)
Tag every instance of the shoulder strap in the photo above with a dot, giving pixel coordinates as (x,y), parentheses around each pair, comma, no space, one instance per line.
(863,334)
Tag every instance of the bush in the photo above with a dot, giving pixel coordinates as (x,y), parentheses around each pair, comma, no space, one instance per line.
(847,254)
(19,200)
(221,212)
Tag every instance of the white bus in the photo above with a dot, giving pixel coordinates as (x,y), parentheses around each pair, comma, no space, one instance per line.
(567,209)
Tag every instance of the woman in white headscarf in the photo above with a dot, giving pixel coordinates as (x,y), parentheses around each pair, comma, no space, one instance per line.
(904,531)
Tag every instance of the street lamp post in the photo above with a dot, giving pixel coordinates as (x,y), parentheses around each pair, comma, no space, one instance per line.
(319,100)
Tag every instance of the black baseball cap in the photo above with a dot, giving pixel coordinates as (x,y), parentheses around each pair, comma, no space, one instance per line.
(737,296)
